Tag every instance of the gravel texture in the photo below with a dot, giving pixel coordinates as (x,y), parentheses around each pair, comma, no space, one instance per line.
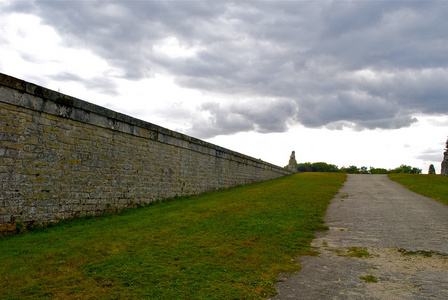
(403,236)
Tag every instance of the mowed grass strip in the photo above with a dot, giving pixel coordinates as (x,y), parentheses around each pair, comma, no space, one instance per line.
(230,244)
(432,186)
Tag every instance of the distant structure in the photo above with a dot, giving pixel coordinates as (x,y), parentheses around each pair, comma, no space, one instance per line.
(292,166)
(445,160)
(431,170)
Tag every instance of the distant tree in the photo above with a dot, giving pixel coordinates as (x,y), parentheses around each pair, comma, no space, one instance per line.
(364,170)
(324,167)
(431,170)
(416,171)
(401,169)
(304,167)
(378,171)
(350,170)
(317,167)
(406,169)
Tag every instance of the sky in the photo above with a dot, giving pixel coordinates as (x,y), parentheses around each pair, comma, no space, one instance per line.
(360,83)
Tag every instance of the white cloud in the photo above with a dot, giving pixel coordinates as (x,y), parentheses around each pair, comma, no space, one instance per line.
(173,48)
(34,51)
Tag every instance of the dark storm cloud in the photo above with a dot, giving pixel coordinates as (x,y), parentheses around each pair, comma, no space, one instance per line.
(257,114)
(363,64)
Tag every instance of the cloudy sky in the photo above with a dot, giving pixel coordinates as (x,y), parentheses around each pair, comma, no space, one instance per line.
(345,82)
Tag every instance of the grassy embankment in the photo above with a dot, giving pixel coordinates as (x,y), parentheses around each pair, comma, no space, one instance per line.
(225,245)
(432,186)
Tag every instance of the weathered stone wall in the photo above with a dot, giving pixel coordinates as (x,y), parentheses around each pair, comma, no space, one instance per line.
(61,157)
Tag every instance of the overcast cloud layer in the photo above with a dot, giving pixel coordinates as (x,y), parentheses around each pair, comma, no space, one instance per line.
(358,64)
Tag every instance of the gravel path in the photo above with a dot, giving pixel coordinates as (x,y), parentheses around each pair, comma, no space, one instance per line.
(379,231)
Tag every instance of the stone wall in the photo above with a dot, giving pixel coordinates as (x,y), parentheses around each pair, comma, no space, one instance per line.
(61,157)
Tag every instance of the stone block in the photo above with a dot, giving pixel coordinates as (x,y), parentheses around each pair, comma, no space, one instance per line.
(5,219)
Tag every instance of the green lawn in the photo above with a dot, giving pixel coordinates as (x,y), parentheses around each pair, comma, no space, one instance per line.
(229,244)
(433,186)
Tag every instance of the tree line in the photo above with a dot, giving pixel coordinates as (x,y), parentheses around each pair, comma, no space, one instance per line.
(324,167)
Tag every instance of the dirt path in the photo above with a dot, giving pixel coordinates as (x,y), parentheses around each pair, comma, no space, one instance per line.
(379,231)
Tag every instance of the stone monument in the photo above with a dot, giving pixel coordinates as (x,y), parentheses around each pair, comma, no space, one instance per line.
(292,166)
(445,161)
(431,170)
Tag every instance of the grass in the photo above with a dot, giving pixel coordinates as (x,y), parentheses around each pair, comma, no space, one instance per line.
(356,252)
(432,186)
(369,278)
(421,253)
(230,244)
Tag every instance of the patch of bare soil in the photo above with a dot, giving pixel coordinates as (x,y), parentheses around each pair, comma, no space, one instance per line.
(398,272)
